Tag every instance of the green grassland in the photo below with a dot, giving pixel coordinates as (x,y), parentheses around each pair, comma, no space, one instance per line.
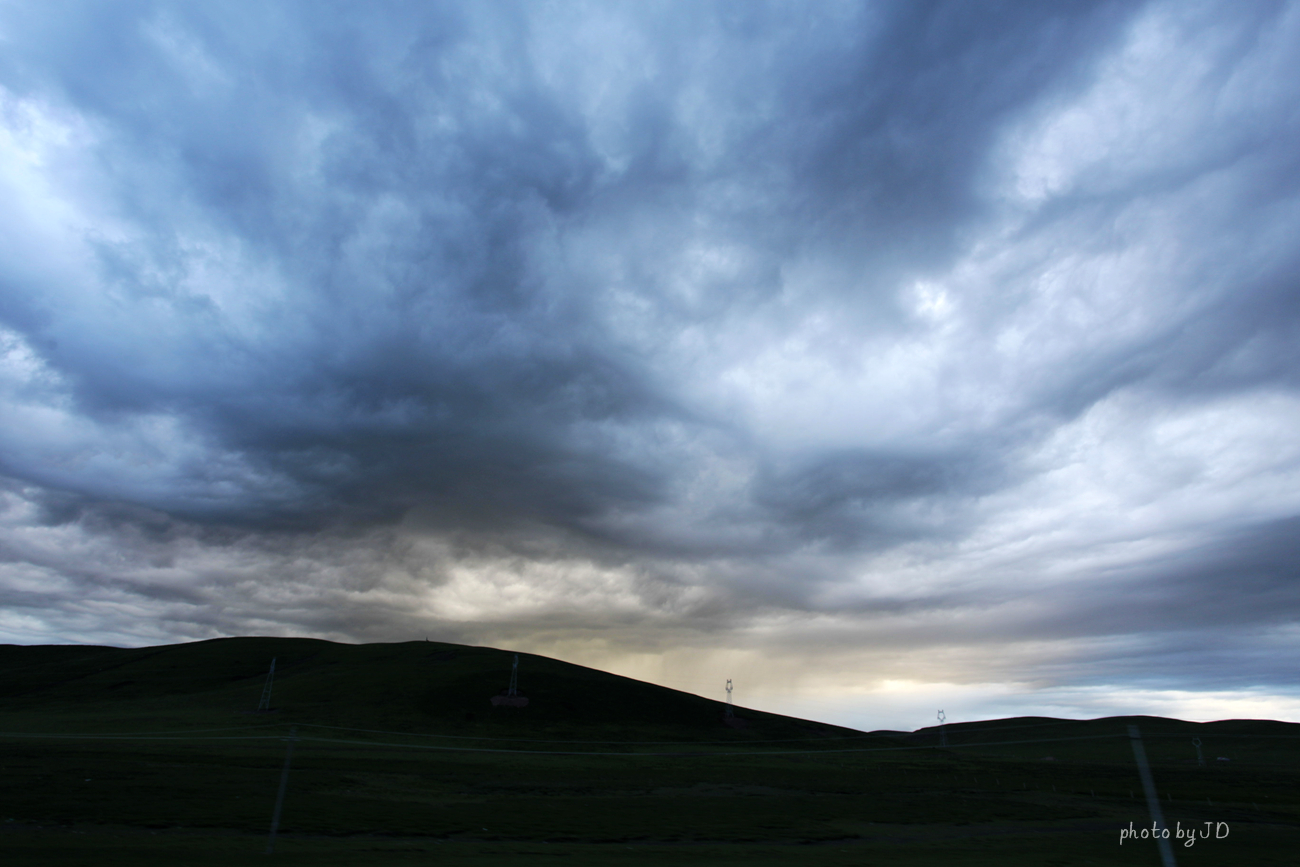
(155,756)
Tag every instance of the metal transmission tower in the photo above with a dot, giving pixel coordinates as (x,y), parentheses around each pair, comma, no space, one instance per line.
(510,697)
(1200,757)
(265,704)
(730,712)
(943,734)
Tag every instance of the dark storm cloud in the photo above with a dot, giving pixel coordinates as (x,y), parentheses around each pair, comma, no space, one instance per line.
(623,318)
(415,346)
(1217,616)
(428,346)
(850,498)
(889,137)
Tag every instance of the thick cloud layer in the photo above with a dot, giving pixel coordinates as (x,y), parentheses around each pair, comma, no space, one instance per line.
(937,342)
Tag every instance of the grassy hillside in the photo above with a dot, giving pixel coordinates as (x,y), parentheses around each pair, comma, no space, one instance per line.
(415,686)
(152,756)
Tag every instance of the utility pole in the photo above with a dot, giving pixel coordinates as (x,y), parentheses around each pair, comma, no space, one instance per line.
(1200,757)
(943,734)
(265,704)
(730,712)
(514,678)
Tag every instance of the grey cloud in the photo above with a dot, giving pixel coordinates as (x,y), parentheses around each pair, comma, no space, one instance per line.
(534,288)
(850,497)
(1244,577)
(901,128)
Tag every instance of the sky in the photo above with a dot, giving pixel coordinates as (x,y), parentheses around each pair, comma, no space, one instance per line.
(883,357)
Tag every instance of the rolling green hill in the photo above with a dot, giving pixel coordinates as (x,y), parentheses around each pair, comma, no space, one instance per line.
(396,755)
(415,686)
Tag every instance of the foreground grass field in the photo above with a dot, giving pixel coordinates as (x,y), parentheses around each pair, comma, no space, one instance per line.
(151,756)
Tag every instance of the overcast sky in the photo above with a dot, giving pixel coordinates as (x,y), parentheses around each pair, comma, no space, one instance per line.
(880,356)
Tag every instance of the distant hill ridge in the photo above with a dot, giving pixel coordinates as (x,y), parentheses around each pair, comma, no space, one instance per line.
(429,687)
(415,686)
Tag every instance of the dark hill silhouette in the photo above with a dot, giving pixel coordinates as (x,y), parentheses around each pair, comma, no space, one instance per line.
(409,686)
(157,754)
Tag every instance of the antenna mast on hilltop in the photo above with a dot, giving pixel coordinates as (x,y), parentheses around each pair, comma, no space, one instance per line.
(514,678)
(730,713)
(265,704)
